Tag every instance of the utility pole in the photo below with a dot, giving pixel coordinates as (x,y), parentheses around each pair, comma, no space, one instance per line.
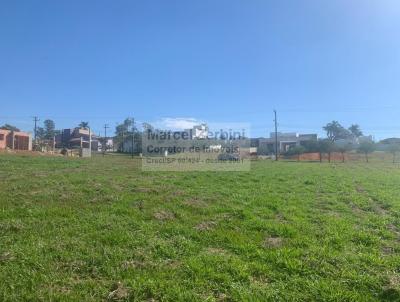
(35,119)
(105,138)
(133,134)
(90,142)
(123,139)
(276,136)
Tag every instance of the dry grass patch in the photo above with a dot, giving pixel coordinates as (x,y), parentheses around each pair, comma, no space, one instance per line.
(164,215)
(387,250)
(273,242)
(118,293)
(394,281)
(195,202)
(216,251)
(392,228)
(206,226)
(259,281)
(6,256)
(145,190)
(360,189)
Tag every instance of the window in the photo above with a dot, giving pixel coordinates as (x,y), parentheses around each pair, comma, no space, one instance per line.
(1,137)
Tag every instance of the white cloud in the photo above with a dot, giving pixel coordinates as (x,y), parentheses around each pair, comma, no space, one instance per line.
(178,123)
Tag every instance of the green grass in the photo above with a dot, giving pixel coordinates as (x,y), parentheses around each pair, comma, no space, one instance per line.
(98,229)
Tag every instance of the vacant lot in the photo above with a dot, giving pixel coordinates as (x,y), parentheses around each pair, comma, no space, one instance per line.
(98,229)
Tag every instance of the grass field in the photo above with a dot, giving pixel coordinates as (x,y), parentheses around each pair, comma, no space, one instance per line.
(100,229)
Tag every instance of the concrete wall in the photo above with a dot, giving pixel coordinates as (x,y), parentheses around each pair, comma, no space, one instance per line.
(3,138)
(17,140)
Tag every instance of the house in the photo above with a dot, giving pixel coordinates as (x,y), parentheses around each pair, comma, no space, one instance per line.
(365,139)
(285,142)
(199,131)
(388,141)
(109,144)
(354,141)
(77,138)
(16,140)
(126,146)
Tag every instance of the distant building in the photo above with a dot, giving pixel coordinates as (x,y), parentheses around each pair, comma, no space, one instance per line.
(384,145)
(109,144)
(199,131)
(77,138)
(354,141)
(16,140)
(285,142)
(126,146)
(391,140)
(365,138)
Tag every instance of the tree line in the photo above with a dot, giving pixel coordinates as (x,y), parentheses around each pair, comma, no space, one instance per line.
(339,139)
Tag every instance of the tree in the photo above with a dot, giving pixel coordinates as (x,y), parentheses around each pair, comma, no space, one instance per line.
(49,129)
(84,125)
(343,148)
(325,146)
(297,150)
(335,131)
(40,133)
(9,127)
(124,128)
(355,130)
(366,148)
(393,149)
(123,132)
(311,146)
(147,127)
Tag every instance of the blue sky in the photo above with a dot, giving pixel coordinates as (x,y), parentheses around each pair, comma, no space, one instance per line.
(213,61)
